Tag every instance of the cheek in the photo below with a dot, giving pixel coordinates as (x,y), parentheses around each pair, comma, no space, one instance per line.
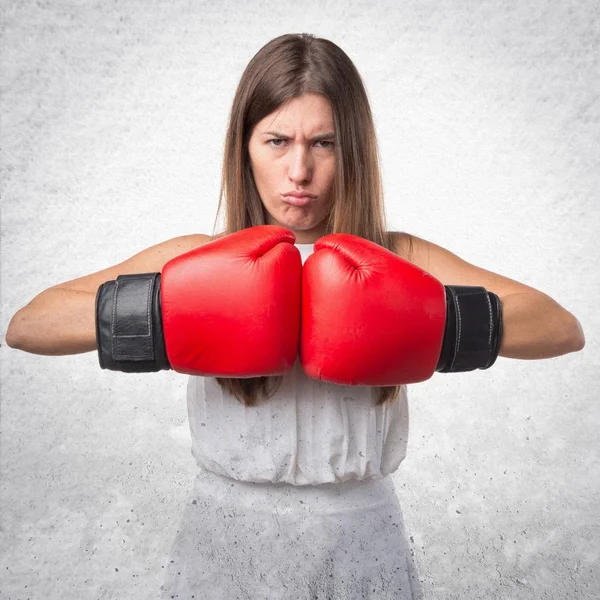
(270,174)
(329,175)
(256,168)
(264,177)
(256,158)
(266,180)
(261,166)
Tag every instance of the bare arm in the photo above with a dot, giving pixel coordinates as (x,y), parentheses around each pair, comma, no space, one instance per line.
(61,320)
(534,325)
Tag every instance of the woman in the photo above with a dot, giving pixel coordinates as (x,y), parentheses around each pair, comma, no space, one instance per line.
(294,497)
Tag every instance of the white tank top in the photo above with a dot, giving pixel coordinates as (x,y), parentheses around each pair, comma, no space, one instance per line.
(308,433)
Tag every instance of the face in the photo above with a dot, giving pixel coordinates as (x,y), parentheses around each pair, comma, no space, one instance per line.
(292,158)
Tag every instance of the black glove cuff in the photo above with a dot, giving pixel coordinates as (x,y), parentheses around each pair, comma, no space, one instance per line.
(129,331)
(473,329)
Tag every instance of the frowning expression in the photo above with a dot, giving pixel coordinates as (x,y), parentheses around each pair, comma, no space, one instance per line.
(292,157)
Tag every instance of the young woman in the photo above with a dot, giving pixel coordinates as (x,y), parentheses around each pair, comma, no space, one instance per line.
(294,497)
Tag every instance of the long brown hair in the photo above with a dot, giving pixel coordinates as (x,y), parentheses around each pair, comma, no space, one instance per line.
(288,67)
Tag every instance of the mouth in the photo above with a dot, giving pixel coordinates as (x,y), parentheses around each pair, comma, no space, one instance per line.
(298,200)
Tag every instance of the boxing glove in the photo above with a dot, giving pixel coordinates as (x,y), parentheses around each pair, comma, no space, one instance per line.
(229,308)
(371,318)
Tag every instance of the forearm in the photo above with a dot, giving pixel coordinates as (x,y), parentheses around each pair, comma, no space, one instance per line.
(535,326)
(58,321)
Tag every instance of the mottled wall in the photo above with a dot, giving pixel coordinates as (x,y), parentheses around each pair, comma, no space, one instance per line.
(113,118)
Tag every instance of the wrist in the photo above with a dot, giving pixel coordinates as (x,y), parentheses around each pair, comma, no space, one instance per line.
(129,330)
(473,331)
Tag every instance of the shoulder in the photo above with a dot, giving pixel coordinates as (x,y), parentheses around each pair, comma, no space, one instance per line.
(180,245)
(451,269)
(410,247)
(149,260)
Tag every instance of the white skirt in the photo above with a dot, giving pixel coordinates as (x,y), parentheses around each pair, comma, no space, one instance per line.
(258,541)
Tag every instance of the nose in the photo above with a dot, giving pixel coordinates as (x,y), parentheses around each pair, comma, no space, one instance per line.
(301,165)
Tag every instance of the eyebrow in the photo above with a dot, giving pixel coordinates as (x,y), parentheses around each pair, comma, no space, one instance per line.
(318,138)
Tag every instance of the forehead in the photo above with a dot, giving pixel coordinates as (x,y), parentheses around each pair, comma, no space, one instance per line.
(309,112)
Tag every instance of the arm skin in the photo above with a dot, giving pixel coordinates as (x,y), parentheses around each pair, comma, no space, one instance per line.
(534,325)
(62,319)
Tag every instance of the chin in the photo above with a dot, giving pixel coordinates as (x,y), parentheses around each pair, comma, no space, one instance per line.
(292,223)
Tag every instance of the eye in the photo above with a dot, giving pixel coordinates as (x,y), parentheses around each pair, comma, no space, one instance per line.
(274,144)
(325,144)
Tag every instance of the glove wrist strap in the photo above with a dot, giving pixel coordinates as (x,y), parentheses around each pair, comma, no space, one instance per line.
(129,330)
(473,329)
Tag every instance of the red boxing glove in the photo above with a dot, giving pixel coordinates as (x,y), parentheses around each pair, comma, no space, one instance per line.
(369,317)
(230,308)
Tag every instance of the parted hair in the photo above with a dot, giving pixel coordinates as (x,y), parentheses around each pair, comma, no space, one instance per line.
(288,67)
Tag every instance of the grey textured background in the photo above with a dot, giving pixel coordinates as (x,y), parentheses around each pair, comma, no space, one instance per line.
(113,120)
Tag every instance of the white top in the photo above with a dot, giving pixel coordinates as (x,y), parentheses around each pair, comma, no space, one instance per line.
(309,433)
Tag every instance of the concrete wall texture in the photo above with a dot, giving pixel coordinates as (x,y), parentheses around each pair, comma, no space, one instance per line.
(113,120)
